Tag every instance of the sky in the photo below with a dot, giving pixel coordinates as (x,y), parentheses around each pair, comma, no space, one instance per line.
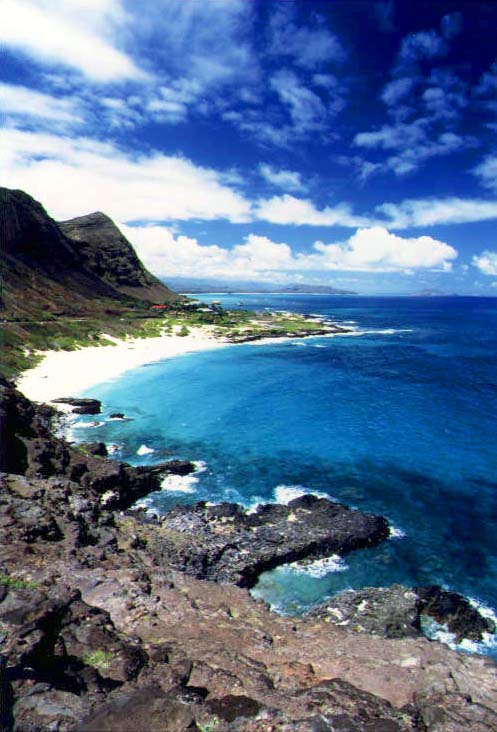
(349,143)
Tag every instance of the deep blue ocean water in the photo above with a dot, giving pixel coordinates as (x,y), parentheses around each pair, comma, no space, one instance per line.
(397,419)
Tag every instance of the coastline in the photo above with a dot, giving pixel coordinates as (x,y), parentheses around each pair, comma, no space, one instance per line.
(68,373)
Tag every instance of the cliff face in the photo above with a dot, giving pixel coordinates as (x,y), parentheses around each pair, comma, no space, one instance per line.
(110,256)
(51,268)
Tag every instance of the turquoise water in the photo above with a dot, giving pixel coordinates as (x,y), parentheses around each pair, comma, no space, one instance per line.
(397,419)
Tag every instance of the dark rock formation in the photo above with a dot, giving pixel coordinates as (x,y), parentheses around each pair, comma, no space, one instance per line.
(94,448)
(66,268)
(389,612)
(454,611)
(226,544)
(396,611)
(29,449)
(110,256)
(117,415)
(100,631)
(81,406)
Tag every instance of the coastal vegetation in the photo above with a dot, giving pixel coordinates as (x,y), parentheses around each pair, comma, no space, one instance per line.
(73,284)
(23,340)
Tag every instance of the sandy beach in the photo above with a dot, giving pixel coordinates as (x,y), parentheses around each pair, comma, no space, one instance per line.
(68,373)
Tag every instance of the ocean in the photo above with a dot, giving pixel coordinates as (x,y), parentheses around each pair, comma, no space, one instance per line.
(396,418)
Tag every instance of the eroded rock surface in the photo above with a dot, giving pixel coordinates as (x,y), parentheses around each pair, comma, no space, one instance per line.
(225,543)
(102,631)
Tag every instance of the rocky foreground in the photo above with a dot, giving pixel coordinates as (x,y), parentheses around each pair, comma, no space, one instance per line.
(112,620)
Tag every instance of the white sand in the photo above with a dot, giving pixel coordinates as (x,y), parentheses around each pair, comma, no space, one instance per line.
(68,373)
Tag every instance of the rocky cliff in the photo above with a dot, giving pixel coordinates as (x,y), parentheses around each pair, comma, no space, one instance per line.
(74,268)
(109,255)
(108,624)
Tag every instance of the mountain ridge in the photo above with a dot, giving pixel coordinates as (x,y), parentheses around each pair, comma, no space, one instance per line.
(52,267)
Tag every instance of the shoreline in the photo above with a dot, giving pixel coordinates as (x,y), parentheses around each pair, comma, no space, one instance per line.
(68,373)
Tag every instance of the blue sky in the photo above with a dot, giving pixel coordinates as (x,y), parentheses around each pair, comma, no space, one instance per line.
(345,143)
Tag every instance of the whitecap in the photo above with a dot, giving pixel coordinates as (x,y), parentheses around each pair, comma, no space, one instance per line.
(179,483)
(144,450)
(184,483)
(86,425)
(319,567)
(286,493)
(396,533)
(436,631)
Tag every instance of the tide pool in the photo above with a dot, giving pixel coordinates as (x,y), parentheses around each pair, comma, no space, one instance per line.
(396,418)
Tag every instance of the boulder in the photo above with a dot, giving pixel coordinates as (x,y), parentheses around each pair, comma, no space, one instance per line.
(81,406)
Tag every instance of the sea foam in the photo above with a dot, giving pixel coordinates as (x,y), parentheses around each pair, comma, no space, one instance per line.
(184,483)
(286,493)
(144,450)
(319,567)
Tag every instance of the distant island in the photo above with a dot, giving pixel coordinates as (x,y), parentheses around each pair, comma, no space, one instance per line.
(199,286)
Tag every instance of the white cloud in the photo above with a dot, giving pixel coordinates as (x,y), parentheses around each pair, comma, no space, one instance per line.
(310,45)
(368,250)
(72,176)
(201,41)
(397,90)
(486,171)
(288,179)
(393,137)
(287,209)
(20,101)
(69,32)
(433,212)
(305,107)
(182,256)
(422,45)
(377,250)
(411,144)
(486,262)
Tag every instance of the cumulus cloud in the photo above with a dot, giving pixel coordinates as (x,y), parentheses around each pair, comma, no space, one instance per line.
(77,34)
(287,209)
(78,175)
(287,179)
(376,249)
(486,262)
(258,257)
(486,171)
(433,212)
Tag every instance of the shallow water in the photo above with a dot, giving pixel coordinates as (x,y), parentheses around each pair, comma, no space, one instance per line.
(398,419)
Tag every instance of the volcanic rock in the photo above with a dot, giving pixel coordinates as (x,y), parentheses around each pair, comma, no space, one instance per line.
(224,543)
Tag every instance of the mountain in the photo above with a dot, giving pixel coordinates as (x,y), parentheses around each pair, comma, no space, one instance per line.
(191,285)
(109,255)
(72,268)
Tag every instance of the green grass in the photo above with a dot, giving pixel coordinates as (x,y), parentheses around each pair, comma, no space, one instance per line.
(20,341)
(16,583)
(99,659)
